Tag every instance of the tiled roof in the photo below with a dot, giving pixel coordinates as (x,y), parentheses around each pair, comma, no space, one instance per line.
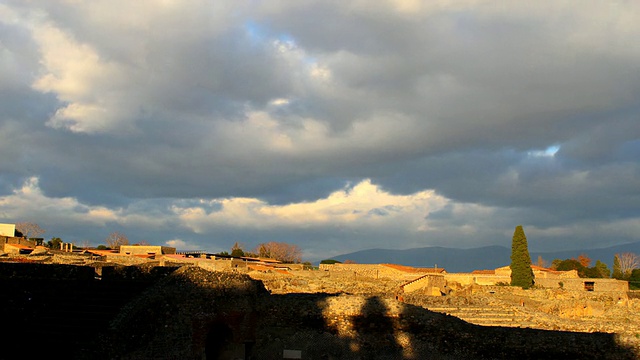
(484,272)
(102,252)
(259,267)
(265,260)
(535,268)
(410,269)
(180,257)
(543,269)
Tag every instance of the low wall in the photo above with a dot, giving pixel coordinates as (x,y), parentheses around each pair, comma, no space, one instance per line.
(373,271)
(126,259)
(465,279)
(214,265)
(295,267)
(16,241)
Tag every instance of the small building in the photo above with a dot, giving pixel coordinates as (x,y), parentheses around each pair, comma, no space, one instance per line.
(8,230)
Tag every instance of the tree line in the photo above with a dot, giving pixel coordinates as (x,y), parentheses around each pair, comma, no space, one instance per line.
(287,253)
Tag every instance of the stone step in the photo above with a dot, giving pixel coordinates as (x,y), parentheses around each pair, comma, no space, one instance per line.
(443,309)
(487,319)
(461,308)
(509,315)
(514,322)
(484,316)
(493,313)
(478,313)
(511,325)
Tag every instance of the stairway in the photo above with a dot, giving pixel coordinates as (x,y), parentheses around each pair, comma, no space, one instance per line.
(485,315)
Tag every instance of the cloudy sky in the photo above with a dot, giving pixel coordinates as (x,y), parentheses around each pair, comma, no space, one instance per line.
(334,125)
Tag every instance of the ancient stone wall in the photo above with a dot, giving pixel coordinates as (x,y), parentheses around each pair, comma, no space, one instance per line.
(367,270)
(465,279)
(214,265)
(126,259)
(506,271)
(16,241)
(584,284)
(374,271)
(146,249)
(295,267)
(570,274)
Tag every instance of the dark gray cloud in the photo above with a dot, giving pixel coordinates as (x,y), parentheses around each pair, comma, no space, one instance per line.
(524,114)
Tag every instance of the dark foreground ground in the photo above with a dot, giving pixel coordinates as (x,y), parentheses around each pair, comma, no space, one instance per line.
(190,313)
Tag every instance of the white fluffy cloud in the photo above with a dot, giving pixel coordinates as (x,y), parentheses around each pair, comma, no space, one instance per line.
(363,205)
(28,202)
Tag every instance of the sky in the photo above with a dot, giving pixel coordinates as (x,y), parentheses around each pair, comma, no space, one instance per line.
(336,126)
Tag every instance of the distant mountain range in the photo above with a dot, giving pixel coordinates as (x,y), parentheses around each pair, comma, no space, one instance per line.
(466,260)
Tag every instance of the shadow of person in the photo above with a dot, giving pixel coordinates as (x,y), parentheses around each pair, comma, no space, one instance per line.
(376,331)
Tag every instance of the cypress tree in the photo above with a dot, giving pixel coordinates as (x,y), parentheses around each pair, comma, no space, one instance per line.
(617,269)
(521,272)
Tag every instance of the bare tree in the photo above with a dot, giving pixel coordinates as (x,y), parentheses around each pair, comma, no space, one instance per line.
(116,239)
(584,260)
(542,262)
(284,252)
(29,229)
(628,262)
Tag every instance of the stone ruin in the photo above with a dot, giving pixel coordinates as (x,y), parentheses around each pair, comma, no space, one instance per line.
(186,312)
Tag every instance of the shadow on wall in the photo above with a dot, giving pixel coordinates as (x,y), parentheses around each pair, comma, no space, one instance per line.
(219,336)
(374,329)
(196,314)
(319,332)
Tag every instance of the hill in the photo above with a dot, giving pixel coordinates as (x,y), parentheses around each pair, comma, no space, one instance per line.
(466,260)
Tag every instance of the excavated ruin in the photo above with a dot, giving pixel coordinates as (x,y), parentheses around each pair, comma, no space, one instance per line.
(187,312)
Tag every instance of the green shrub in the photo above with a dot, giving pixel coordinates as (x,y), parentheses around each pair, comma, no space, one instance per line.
(330,261)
